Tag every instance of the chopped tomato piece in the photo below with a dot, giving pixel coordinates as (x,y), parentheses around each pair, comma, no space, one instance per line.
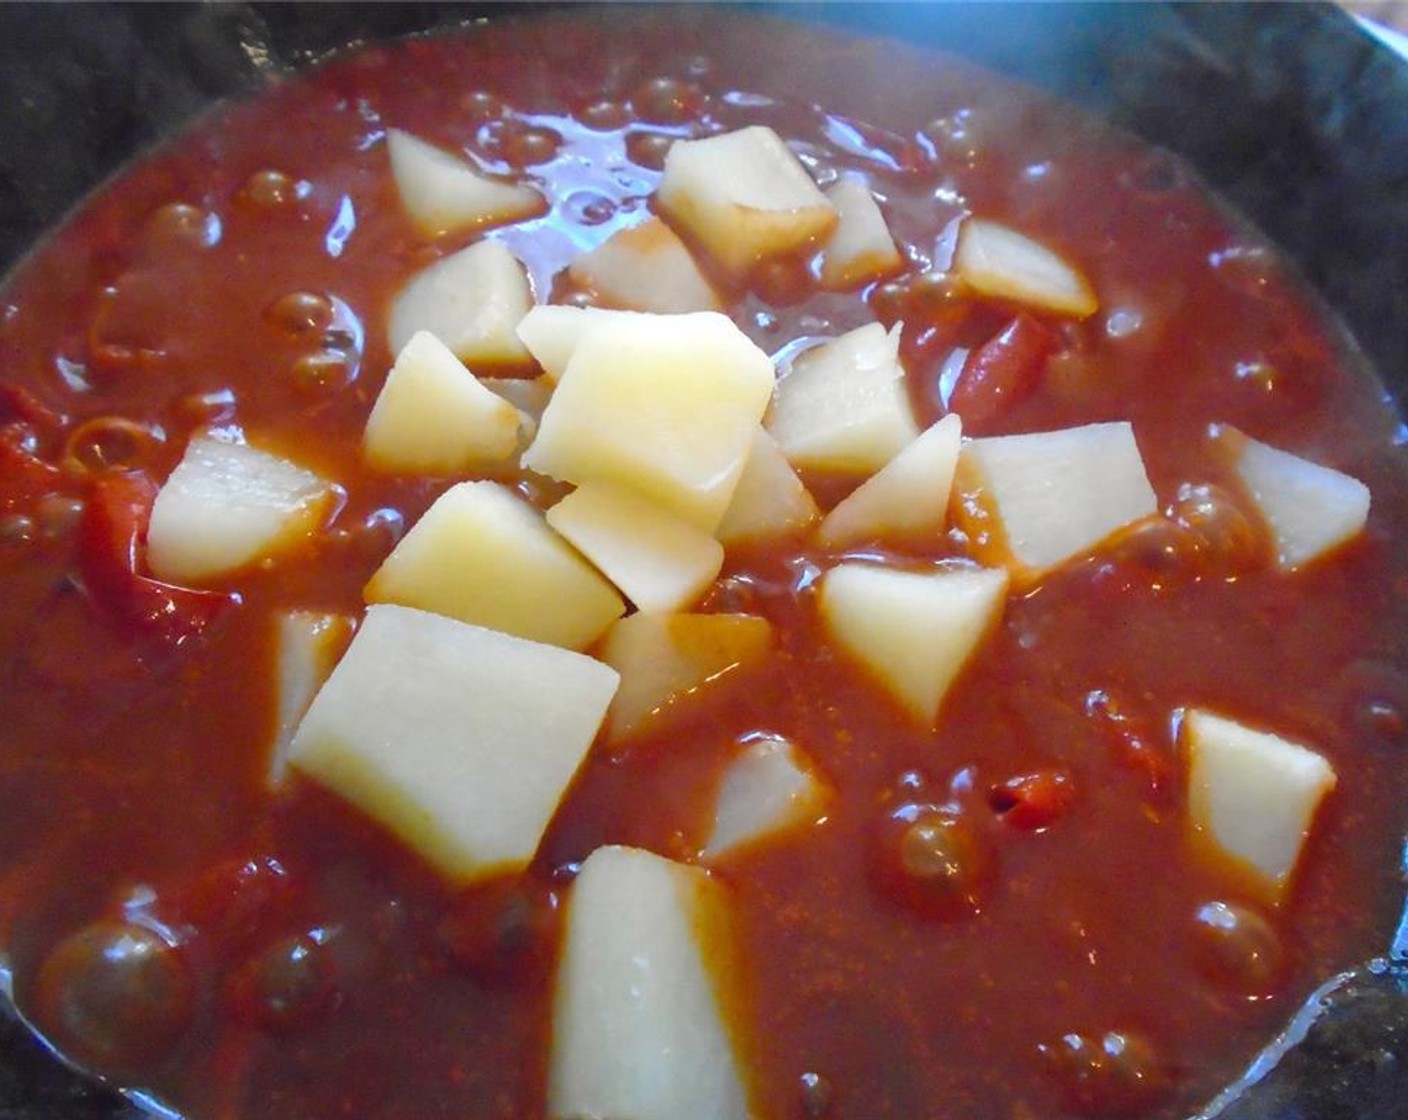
(1133,743)
(26,426)
(232,898)
(23,475)
(1001,372)
(1034,801)
(111,540)
(20,406)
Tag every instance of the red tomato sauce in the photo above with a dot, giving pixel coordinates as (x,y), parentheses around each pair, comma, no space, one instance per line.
(243,274)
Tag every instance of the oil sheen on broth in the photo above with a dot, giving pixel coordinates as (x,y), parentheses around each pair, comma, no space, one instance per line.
(1007,913)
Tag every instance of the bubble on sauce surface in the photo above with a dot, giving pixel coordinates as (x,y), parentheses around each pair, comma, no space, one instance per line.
(1160,546)
(115,995)
(1228,536)
(1121,322)
(301,315)
(271,189)
(183,225)
(517,143)
(501,931)
(589,208)
(668,101)
(1238,948)
(16,530)
(322,372)
(816,1095)
(289,984)
(930,860)
(481,105)
(1115,1074)
(605,115)
(1375,703)
(112,443)
(213,407)
(648,149)
(57,515)
(374,536)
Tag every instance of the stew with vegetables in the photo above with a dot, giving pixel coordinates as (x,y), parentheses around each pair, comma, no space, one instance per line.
(675,564)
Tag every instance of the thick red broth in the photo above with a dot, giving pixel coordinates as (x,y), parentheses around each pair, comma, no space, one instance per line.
(172,923)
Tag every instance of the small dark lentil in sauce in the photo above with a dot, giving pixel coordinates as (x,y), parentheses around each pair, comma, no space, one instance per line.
(923,953)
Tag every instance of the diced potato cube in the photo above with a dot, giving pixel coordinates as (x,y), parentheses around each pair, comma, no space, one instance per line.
(769,787)
(744,197)
(995,261)
(1310,509)
(433,416)
(907,498)
(664,405)
(770,500)
(551,332)
(460,740)
(665,658)
(645,268)
(638,1028)
(227,505)
(1253,794)
(843,405)
(481,555)
(913,631)
(860,248)
(529,396)
(307,646)
(658,562)
(1054,495)
(444,193)
(472,301)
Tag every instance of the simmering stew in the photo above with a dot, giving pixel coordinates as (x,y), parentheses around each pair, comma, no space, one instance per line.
(943,656)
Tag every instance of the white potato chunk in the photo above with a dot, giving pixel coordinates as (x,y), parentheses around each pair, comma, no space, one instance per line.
(444,193)
(645,268)
(664,405)
(860,248)
(1310,509)
(433,416)
(227,505)
(482,555)
(1055,495)
(1253,794)
(657,561)
(551,332)
(770,787)
(744,197)
(907,498)
(999,262)
(638,1027)
(843,405)
(472,301)
(307,645)
(913,631)
(458,739)
(528,395)
(664,659)
(770,500)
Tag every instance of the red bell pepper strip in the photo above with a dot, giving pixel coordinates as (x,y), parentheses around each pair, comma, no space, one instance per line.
(111,541)
(1034,801)
(1001,372)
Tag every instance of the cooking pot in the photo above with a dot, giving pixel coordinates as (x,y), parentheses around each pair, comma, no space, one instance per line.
(1294,113)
